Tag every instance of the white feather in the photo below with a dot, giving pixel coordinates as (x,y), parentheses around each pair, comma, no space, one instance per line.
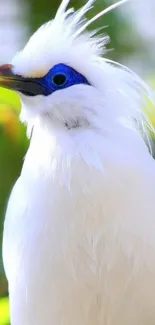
(99,15)
(79,233)
(61,10)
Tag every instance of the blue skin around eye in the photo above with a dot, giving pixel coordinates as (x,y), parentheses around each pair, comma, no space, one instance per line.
(72,78)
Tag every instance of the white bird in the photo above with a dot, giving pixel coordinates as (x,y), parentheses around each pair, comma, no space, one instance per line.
(79,232)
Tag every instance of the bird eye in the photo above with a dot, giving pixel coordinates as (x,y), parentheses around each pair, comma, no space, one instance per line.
(59,79)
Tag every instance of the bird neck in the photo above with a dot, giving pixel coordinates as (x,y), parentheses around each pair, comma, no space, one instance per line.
(56,149)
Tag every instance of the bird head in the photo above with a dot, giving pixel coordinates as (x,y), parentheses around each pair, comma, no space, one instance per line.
(63,80)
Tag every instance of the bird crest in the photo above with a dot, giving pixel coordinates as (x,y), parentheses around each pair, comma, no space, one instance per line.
(64,39)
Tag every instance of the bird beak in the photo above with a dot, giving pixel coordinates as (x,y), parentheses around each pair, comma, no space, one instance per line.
(26,86)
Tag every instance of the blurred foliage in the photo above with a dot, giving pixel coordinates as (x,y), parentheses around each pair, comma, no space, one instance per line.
(4,311)
(13,142)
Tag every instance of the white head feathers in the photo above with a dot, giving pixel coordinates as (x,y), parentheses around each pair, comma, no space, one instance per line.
(66,40)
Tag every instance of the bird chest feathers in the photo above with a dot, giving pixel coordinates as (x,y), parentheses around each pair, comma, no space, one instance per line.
(81,230)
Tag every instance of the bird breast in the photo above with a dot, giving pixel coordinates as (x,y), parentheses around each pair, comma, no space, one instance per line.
(79,244)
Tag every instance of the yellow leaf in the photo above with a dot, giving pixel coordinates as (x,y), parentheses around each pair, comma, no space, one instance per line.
(4,311)
(10,97)
(10,121)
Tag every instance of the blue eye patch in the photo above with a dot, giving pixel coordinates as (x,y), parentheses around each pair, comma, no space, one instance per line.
(61,76)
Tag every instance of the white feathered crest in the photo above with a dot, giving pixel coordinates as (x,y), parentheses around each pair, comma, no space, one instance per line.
(65,36)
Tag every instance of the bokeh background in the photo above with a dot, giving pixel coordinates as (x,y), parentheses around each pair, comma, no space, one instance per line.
(132,32)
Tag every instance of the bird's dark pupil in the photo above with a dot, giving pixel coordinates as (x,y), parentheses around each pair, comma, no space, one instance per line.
(59,79)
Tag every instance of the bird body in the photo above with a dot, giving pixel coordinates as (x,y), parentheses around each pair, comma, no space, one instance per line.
(79,233)
(87,254)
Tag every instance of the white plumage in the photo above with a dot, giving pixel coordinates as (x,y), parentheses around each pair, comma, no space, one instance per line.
(79,233)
